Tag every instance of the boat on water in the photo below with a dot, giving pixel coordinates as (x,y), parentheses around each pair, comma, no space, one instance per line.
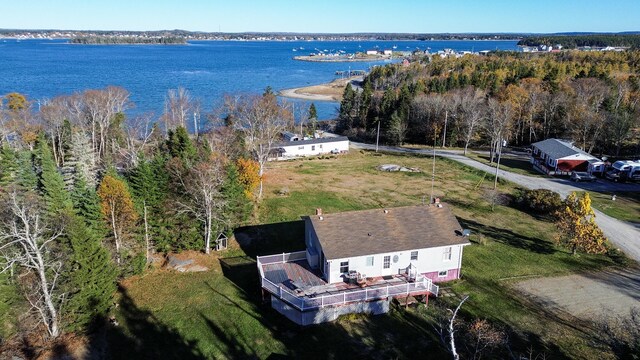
(294,49)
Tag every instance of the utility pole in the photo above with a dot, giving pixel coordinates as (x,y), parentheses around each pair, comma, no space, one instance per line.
(433,171)
(378,136)
(444,132)
(499,150)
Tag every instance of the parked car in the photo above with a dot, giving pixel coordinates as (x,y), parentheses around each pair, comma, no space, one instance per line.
(581,176)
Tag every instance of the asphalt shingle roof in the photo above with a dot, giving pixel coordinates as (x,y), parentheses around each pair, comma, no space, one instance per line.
(558,149)
(367,232)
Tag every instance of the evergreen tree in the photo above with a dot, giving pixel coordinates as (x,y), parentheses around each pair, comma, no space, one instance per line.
(8,300)
(179,144)
(347,106)
(82,159)
(8,166)
(51,184)
(313,117)
(313,112)
(87,205)
(27,177)
(92,276)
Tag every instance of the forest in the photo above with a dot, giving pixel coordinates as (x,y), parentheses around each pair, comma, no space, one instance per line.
(592,40)
(88,195)
(590,98)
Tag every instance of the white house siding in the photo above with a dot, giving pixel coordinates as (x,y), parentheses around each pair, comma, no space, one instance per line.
(430,261)
(298,148)
(329,313)
(312,242)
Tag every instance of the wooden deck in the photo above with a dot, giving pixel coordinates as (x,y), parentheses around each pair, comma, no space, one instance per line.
(304,281)
(294,275)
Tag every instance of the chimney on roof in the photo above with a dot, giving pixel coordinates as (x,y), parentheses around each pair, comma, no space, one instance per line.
(318,211)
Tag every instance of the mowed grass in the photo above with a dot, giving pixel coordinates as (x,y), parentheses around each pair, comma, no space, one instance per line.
(626,207)
(514,164)
(218,314)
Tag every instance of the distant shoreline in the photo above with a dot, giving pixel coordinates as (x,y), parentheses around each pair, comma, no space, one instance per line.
(327,59)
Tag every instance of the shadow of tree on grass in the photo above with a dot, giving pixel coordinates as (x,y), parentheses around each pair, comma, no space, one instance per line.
(146,337)
(509,237)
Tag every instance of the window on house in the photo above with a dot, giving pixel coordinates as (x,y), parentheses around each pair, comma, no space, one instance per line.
(300,147)
(369,260)
(320,146)
(414,255)
(443,273)
(446,256)
(313,147)
(387,262)
(344,267)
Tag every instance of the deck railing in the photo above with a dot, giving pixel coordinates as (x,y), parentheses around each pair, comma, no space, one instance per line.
(306,302)
(279,258)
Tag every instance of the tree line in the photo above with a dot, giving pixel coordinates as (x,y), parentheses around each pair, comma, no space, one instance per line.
(114,40)
(591,98)
(575,41)
(88,195)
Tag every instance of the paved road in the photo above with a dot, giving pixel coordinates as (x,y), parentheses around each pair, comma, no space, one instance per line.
(624,235)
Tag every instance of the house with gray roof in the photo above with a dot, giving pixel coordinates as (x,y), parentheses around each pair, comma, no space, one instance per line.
(561,157)
(358,261)
(294,147)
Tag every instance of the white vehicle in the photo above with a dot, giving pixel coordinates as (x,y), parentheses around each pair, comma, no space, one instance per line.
(624,170)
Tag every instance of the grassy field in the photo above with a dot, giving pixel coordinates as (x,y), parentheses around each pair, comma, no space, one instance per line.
(218,314)
(626,207)
(510,163)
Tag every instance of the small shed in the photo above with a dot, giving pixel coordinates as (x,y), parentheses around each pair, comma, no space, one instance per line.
(221,242)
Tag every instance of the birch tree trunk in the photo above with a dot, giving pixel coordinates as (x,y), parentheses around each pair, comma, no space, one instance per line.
(26,243)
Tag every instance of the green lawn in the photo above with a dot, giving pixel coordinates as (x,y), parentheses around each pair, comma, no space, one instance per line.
(510,163)
(626,207)
(218,314)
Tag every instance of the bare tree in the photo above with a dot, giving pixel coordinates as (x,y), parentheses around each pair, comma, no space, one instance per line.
(202,186)
(586,117)
(137,133)
(179,106)
(446,330)
(432,114)
(101,106)
(497,124)
(470,111)
(262,120)
(27,242)
(53,114)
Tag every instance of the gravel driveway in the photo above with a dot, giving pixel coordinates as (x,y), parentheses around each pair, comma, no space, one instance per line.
(587,296)
(624,235)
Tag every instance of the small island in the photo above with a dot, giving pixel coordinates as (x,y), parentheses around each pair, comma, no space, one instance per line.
(125,40)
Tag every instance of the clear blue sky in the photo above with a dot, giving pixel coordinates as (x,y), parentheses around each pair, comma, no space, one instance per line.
(330,16)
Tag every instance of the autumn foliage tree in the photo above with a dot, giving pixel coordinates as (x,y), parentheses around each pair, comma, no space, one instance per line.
(249,177)
(117,209)
(577,228)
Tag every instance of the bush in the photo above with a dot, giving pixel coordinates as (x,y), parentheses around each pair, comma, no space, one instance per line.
(540,201)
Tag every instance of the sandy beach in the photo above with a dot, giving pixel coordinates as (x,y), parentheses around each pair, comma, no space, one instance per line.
(324,92)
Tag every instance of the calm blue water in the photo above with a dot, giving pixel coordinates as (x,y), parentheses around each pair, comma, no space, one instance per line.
(208,69)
